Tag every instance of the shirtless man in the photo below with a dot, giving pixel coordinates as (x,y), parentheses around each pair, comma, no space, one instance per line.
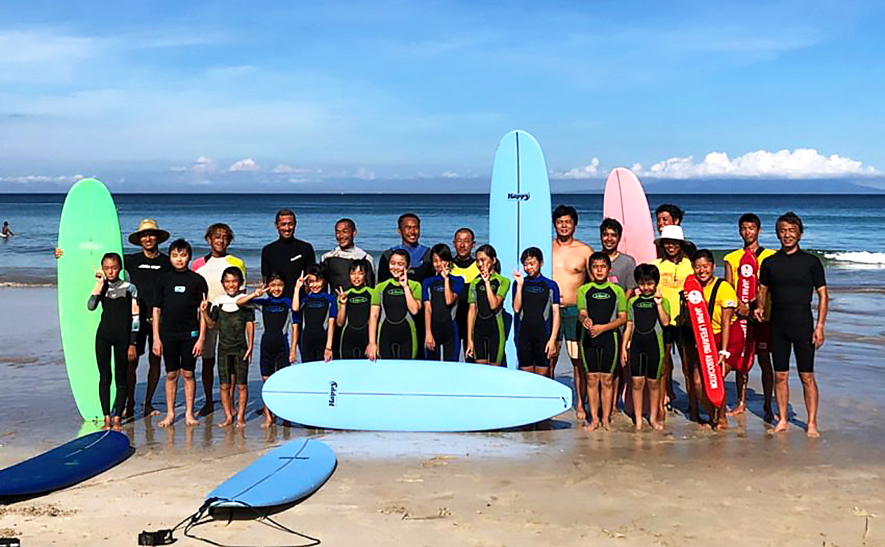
(570,266)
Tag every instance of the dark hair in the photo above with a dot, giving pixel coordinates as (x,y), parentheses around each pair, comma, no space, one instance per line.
(285,213)
(274,276)
(600,256)
(647,272)
(181,245)
(315,270)
(404,216)
(403,253)
(113,256)
(442,251)
(348,221)
(565,210)
(750,217)
(234,271)
(489,251)
(468,230)
(611,224)
(220,226)
(359,264)
(673,210)
(703,253)
(791,218)
(532,252)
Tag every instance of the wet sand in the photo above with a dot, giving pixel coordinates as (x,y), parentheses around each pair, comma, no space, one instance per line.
(553,485)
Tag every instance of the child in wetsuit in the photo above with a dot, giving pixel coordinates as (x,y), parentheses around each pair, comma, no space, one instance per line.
(316,310)
(275,312)
(236,330)
(536,310)
(354,310)
(117,333)
(485,320)
(440,294)
(602,310)
(643,347)
(392,333)
(179,327)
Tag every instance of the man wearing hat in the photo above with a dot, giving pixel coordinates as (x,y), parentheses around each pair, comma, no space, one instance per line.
(674,267)
(143,269)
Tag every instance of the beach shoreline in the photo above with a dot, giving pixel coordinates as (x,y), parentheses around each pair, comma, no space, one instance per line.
(554,484)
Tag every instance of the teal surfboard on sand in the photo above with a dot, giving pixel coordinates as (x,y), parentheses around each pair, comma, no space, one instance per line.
(88,229)
(519,211)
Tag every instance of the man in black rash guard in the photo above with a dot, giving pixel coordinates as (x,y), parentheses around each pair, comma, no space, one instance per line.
(337,262)
(287,255)
(792,276)
(143,269)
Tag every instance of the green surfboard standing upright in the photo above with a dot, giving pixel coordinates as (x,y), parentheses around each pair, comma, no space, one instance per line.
(88,229)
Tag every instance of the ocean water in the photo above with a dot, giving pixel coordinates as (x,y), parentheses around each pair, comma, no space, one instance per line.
(846,231)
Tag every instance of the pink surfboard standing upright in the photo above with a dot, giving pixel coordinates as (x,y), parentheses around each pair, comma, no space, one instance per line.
(625,201)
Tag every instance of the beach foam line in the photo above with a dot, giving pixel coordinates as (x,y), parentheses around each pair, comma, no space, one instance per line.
(856,257)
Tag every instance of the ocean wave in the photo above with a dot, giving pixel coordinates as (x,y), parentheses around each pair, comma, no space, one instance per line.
(855,257)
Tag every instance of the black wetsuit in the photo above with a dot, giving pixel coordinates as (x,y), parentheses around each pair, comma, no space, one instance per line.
(316,310)
(466,268)
(397,337)
(792,280)
(116,332)
(143,272)
(443,325)
(534,321)
(647,341)
(289,257)
(355,331)
(603,303)
(275,313)
(178,295)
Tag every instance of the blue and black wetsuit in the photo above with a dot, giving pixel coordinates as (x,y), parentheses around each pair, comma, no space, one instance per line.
(316,310)
(355,332)
(488,325)
(443,317)
(534,321)
(117,330)
(275,313)
(397,337)
(647,341)
(603,302)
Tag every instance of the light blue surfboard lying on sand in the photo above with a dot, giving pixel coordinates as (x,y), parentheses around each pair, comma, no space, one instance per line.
(412,396)
(519,211)
(286,474)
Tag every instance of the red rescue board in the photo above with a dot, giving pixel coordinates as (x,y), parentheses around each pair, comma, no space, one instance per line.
(746,292)
(711,372)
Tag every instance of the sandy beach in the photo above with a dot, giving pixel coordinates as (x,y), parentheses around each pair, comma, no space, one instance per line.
(553,485)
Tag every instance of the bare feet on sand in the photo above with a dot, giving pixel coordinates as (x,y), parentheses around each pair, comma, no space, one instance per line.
(782,425)
(592,426)
(658,426)
(737,411)
(227,421)
(118,424)
(241,423)
(150,411)
(266,423)
(190,420)
(167,421)
(812,432)
(580,415)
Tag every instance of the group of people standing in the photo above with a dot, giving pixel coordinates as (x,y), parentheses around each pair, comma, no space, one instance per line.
(621,322)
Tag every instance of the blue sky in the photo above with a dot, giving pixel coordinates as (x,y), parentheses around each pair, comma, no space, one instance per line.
(310,96)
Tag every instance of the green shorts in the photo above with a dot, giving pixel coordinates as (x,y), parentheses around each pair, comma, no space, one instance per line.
(568,322)
(232,362)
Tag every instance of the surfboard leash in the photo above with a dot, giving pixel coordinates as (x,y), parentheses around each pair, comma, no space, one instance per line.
(202,516)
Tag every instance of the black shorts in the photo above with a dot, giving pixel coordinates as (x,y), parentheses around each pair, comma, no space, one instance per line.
(792,333)
(600,354)
(273,360)
(672,334)
(145,337)
(178,354)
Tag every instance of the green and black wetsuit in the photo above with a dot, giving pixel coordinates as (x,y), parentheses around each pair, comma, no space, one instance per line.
(488,326)
(397,337)
(602,302)
(647,341)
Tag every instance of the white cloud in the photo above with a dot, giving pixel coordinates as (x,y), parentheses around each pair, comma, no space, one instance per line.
(284,169)
(245,165)
(42,179)
(450,175)
(365,173)
(799,163)
(590,171)
(200,165)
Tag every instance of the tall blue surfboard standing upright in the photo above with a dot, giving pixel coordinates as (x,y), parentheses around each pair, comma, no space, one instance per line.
(519,211)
